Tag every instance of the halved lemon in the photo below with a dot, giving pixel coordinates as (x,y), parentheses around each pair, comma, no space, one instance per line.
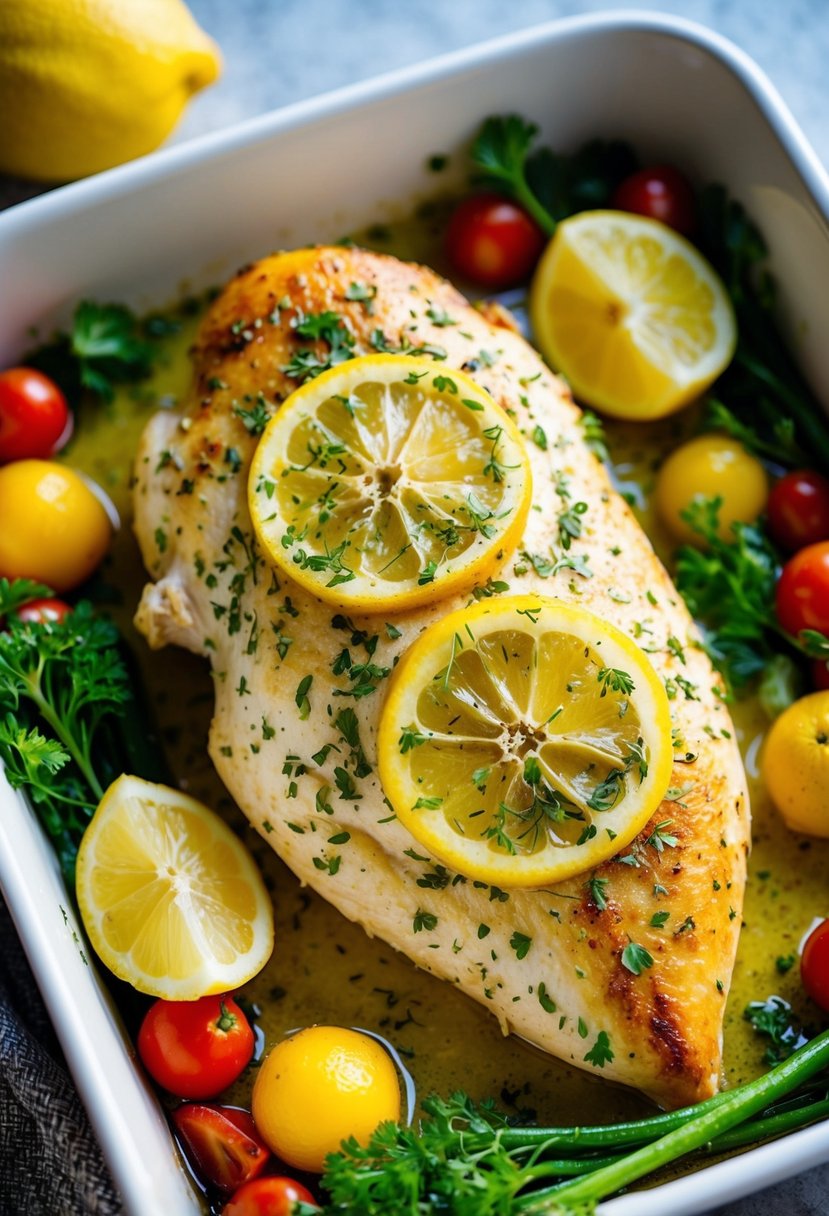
(524,740)
(389,481)
(171,899)
(631,313)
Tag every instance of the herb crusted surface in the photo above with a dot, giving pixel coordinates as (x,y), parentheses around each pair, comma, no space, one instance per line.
(312,780)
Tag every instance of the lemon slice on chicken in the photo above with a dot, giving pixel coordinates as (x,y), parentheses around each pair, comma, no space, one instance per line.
(389,481)
(631,313)
(524,740)
(171,899)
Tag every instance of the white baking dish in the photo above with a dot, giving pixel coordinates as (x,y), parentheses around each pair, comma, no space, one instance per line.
(313,171)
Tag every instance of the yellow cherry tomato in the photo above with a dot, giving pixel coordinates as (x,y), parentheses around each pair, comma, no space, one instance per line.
(52,527)
(795,764)
(711,466)
(319,1087)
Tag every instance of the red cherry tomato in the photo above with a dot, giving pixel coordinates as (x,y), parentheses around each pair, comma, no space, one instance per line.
(814,965)
(221,1143)
(798,509)
(195,1049)
(41,612)
(802,595)
(492,241)
(661,193)
(268,1197)
(34,416)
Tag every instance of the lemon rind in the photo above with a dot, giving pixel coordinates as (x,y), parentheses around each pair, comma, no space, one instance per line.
(687,383)
(505,870)
(357,594)
(212,977)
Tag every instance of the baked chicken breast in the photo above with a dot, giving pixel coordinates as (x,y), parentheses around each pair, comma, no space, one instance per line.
(677,891)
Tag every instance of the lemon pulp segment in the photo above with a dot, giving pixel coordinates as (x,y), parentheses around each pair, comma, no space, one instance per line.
(631,313)
(171,899)
(524,740)
(389,481)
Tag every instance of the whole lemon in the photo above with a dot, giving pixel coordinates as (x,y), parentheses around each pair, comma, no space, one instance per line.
(795,764)
(317,1088)
(87,84)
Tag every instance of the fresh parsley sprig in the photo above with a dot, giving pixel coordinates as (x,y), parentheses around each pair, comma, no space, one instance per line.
(549,186)
(465,1159)
(105,346)
(60,683)
(728,586)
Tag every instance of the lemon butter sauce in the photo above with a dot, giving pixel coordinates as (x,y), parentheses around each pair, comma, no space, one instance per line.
(324,968)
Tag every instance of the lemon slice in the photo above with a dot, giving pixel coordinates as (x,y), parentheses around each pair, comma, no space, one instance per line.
(171,899)
(387,482)
(524,740)
(631,313)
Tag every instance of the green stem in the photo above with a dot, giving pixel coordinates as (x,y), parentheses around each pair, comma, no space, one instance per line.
(530,203)
(753,1132)
(67,739)
(570,1167)
(766,1129)
(810,420)
(640,1131)
(736,1107)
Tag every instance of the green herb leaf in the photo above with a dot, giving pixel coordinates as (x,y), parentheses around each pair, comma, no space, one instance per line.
(636,958)
(601,1052)
(520,944)
(774,1019)
(61,683)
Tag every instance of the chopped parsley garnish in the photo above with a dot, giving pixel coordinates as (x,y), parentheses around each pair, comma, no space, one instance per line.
(597,890)
(254,417)
(410,737)
(545,1001)
(424,920)
(660,838)
(365,293)
(521,944)
(636,958)
(324,327)
(775,1020)
(303,704)
(601,1052)
(618,681)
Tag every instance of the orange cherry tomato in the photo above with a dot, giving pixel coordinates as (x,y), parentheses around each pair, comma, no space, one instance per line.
(55,530)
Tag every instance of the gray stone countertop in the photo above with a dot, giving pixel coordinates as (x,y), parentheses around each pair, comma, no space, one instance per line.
(281,51)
